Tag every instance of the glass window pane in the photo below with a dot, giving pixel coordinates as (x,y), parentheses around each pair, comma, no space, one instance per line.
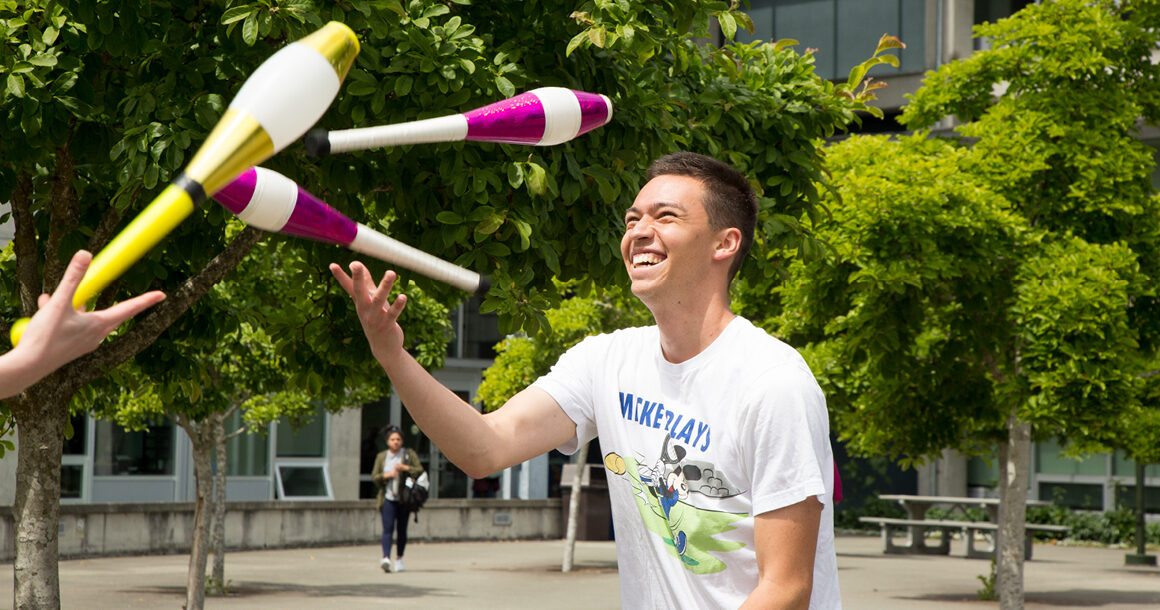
(860,24)
(121,452)
(1125,467)
(982,474)
(71,481)
(1126,498)
(480,331)
(1073,495)
(247,455)
(812,23)
(76,444)
(307,441)
(303,481)
(761,12)
(375,415)
(1049,461)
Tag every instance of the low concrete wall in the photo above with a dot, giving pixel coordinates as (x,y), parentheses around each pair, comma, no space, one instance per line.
(88,530)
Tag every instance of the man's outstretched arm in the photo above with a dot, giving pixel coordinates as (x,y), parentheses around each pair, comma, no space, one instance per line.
(529,424)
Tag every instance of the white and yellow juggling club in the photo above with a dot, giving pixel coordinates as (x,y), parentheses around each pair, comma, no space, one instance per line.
(283,98)
(541,117)
(268,200)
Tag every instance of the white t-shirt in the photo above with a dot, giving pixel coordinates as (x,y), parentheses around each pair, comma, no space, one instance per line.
(693,451)
(393,459)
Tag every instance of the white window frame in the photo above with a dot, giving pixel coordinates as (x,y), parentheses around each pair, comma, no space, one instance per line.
(321,463)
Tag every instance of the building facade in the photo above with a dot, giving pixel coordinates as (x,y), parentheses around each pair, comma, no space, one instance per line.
(331,457)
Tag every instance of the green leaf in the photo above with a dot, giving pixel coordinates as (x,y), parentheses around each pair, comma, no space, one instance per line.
(15,86)
(237,13)
(448,217)
(889,42)
(403,85)
(250,30)
(728,25)
(576,41)
(505,86)
(597,36)
(536,178)
(43,60)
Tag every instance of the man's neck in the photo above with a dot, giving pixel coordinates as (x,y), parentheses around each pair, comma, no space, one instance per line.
(688,329)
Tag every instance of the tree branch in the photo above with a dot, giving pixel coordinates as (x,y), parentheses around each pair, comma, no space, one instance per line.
(149,327)
(27,271)
(62,211)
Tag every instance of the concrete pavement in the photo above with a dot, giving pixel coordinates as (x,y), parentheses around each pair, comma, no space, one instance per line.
(515,575)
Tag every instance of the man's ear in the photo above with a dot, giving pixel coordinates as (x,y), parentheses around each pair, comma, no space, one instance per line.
(728,243)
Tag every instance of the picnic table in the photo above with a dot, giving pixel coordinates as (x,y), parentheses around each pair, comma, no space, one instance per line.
(917,525)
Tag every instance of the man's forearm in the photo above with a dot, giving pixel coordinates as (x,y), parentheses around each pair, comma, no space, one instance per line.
(456,427)
(788,596)
(17,373)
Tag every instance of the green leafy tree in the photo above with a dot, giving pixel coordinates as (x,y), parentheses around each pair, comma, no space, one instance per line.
(103,102)
(199,381)
(1001,290)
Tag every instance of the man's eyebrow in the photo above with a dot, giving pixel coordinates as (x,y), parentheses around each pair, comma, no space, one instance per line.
(655,205)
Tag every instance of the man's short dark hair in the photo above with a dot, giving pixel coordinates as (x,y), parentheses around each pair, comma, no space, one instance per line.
(390,429)
(729,199)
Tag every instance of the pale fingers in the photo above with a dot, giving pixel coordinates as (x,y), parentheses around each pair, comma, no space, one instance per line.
(127,309)
(344,280)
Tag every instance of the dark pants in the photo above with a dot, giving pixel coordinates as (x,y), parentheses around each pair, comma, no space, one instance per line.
(394,519)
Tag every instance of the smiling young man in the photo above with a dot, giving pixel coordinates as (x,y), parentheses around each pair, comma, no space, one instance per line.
(715,434)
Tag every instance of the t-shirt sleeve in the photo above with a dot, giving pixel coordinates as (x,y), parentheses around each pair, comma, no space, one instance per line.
(569,382)
(787,440)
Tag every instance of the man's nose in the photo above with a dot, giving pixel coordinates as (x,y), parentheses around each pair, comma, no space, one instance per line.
(642,228)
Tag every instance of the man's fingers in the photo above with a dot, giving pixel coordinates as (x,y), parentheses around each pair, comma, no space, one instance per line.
(383,290)
(127,309)
(344,280)
(73,275)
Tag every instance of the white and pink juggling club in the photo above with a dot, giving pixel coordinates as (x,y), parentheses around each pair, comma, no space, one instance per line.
(540,117)
(268,200)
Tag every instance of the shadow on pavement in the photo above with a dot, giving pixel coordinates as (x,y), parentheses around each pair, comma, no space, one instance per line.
(254,589)
(1074,598)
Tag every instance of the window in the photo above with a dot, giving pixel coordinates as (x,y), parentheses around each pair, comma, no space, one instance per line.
(301,468)
(145,452)
(1082,496)
(844,32)
(303,481)
(74,460)
(247,455)
(1049,461)
(475,333)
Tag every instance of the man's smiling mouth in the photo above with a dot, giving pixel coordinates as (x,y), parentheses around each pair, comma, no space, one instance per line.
(646,259)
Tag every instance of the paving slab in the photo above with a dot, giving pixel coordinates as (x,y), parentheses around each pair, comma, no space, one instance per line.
(518,575)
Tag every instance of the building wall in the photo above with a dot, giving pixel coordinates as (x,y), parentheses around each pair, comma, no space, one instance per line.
(88,530)
(343,450)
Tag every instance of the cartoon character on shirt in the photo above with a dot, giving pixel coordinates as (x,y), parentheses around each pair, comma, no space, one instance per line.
(663,494)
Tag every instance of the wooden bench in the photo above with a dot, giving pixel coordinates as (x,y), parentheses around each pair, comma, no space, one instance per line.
(916,535)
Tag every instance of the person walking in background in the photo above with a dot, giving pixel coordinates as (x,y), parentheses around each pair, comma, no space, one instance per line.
(391,467)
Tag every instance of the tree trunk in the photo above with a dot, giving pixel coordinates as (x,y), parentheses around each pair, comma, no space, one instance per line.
(201,437)
(218,534)
(1014,464)
(574,509)
(40,419)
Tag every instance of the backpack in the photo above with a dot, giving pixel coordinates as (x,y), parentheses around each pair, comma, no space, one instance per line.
(413,494)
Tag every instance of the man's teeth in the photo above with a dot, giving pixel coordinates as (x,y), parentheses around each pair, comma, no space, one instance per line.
(646,259)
